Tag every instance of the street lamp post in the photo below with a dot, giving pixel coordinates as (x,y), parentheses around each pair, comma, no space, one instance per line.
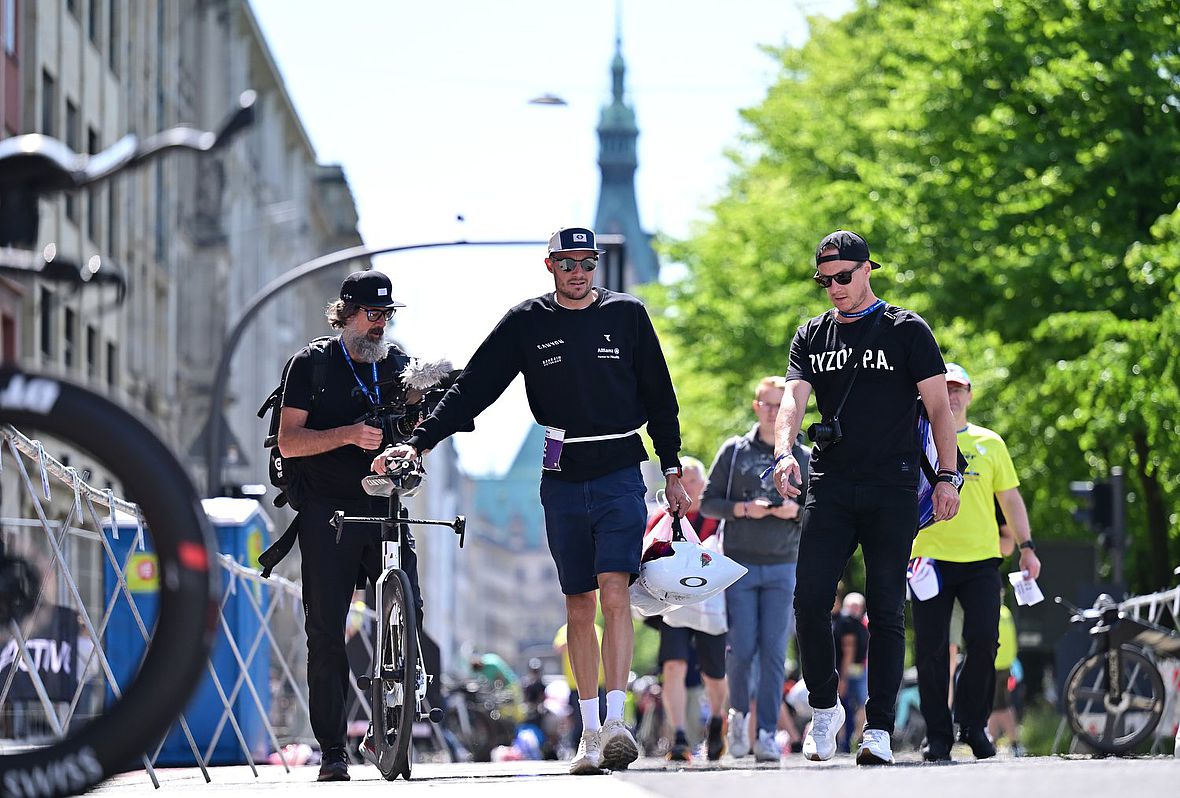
(213,457)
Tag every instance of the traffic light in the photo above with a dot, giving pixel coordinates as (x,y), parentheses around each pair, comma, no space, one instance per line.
(1097,500)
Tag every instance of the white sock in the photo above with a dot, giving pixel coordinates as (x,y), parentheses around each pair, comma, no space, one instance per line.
(589,707)
(614,704)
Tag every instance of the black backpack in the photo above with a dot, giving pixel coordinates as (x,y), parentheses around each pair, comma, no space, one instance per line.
(284,471)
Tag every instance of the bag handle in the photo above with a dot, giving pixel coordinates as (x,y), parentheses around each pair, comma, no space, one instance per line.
(677,532)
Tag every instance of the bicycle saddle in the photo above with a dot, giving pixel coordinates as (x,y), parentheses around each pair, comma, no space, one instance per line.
(384,485)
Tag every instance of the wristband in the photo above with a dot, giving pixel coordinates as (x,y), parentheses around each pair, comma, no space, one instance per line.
(1028,544)
(674,471)
(769,469)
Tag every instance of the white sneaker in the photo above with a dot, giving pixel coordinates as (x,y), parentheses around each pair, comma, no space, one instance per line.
(820,743)
(738,735)
(766,748)
(874,748)
(618,745)
(588,760)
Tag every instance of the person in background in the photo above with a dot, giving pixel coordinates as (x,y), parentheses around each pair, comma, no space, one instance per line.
(761,531)
(852,649)
(677,635)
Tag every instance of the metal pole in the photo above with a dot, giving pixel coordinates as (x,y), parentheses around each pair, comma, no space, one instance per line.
(260,299)
(1118,529)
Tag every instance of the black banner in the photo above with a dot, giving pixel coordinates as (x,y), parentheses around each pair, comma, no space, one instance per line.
(53,647)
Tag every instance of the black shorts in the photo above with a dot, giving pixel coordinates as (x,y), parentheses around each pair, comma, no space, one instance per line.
(675,642)
(1001,698)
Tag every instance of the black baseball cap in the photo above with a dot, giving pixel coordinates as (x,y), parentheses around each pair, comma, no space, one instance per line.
(370,288)
(849,245)
(573,238)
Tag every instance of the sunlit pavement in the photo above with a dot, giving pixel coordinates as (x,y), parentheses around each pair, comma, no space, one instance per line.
(1035,777)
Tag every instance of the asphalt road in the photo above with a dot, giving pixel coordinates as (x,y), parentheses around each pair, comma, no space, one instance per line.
(1034,777)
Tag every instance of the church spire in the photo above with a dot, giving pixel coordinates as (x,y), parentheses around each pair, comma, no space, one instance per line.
(618,210)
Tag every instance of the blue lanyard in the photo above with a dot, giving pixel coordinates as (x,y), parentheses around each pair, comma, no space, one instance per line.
(376,392)
(864,312)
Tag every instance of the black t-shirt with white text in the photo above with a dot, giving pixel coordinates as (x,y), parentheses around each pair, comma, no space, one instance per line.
(337,474)
(880,440)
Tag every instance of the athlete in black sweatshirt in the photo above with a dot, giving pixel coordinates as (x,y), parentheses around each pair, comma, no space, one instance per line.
(594,374)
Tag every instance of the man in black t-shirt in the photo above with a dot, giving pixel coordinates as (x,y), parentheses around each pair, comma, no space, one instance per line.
(594,374)
(318,425)
(862,487)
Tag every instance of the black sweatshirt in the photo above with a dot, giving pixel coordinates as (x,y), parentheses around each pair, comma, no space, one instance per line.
(595,371)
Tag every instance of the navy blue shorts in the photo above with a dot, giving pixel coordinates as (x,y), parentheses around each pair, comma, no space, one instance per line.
(594,527)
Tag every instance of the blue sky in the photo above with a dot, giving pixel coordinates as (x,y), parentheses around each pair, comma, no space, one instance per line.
(426,107)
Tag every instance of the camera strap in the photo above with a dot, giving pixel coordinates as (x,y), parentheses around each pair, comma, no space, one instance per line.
(857,355)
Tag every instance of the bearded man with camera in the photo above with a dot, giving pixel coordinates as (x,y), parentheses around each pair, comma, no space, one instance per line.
(868,363)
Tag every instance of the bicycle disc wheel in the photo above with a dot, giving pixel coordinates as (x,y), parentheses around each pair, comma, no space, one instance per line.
(393,695)
(1106,725)
(61,735)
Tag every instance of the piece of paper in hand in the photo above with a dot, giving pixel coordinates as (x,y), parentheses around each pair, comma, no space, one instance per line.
(1027,591)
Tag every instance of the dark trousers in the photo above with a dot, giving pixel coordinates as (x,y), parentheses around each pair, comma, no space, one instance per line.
(331,572)
(839,516)
(977,587)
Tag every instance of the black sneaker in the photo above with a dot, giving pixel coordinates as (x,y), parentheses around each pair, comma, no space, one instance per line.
(715,746)
(680,751)
(936,752)
(334,764)
(981,746)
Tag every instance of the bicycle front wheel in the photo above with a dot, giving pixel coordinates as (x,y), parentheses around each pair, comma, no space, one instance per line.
(1108,725)
(77,701)
(393,691)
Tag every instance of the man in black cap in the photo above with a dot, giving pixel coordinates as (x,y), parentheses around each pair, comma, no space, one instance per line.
(868,363)
(330,384)
(595,374)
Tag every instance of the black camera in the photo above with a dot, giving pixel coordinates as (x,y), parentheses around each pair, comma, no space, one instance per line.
(825,435)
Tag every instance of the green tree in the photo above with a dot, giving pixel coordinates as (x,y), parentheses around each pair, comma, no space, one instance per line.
(1005,158)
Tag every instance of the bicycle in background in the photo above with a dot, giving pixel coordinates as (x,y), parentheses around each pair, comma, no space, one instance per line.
(1115,696)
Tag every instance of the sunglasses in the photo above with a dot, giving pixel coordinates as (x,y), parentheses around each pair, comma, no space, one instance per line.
(373,315)
(569,264)
(843,278)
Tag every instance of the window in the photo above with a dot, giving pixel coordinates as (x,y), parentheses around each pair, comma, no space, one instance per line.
(10,27)
(48,104)
(112,220)
(72,135)
(8,332)
(113,38)
(91,351)
(95,21)
(112,364)
(71,337)
(93,195)
(47,322)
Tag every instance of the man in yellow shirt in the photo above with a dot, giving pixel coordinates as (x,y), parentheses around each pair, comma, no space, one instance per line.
(966,554)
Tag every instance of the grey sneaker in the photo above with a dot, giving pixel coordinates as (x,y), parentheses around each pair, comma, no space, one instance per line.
(738,735)
(588,760)
(875,748)
(765,747)
(820,743)
(618,745)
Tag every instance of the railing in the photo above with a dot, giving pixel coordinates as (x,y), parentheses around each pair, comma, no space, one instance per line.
(95,555)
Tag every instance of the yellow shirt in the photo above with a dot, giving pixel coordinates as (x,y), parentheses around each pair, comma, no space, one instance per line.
(973,535)
(559,641)
(1006,653)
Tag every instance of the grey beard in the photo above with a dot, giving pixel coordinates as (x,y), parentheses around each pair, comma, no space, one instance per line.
(366,351)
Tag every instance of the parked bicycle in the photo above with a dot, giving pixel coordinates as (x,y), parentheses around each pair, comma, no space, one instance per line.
(1114,697)
(63,753)
(399,679)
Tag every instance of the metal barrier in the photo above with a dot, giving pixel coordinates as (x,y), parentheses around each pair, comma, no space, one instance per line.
(73,529)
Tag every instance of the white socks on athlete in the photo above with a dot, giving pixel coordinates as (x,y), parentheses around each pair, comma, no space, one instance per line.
(589,709)
(614,704)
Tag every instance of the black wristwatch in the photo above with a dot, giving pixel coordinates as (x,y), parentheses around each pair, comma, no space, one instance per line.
(954,478)
(1028,544)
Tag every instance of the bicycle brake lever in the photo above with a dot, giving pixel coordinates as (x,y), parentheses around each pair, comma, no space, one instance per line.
(461,528)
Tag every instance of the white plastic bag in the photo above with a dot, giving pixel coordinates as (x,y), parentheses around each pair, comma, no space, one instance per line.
(646,604)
